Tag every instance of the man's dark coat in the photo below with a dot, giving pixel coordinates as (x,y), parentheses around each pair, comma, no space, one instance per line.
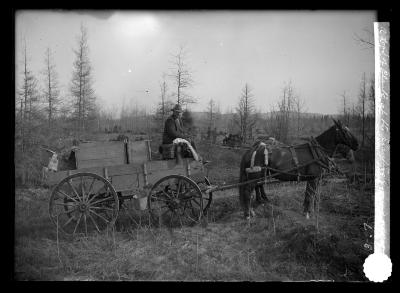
(172,129)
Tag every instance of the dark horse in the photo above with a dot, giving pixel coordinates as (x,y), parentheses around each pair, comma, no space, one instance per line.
(301,162)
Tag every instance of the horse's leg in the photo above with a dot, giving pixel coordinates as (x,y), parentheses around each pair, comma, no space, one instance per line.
(245,196)
(252,202)
(258,194)
(309,196)
(262,192)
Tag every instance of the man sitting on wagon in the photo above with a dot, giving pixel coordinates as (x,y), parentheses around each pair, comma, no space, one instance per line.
(174,133)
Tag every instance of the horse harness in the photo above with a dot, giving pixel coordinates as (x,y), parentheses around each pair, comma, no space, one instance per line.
(316,158)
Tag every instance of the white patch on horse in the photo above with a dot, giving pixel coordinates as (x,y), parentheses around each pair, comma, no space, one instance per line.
(255,169)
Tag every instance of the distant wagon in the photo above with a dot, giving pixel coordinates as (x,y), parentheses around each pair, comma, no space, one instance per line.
(232,140)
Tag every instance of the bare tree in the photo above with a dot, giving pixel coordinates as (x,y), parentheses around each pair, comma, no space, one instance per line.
(230,124)
(217,115)
(163,106)
(163,103)
(124,116)
(345,109)
(51,90)
(211,109)
(30,119)
(108,117)
(29,97)
(282,116)
(245,118)
(82,83)
(299,108)
(182,77)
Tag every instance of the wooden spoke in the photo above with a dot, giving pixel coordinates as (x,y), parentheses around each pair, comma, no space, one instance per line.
(66,195)
(183,208)
(100,201)
(73,189)
(63,204)
(100,216)
(67,222)
(94,222)
(82,189)
(196,202)
(77,223)
(166,194)
(193,209)
(179,188)
(97,194)
(91,186)
(84,218)
(189,216)
(102,208)
(65,212)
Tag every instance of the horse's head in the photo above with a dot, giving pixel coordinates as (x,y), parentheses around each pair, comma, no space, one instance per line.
(344,136)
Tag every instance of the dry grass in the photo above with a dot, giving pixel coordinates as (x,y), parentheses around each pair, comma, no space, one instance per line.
(277,245)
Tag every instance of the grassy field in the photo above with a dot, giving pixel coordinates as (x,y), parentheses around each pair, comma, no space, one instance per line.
(279,244)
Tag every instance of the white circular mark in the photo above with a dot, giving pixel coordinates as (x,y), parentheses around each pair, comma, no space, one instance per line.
(378,267)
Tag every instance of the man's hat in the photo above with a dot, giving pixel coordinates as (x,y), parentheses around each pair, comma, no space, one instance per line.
(177,108)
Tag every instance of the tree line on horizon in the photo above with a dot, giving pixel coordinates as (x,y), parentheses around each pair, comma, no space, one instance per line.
(44,117)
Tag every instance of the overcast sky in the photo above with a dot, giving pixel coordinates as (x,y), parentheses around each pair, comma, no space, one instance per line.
(130,50)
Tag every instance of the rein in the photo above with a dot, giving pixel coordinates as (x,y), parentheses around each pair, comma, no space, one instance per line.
(330,160)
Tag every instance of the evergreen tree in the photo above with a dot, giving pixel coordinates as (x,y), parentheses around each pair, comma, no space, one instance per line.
(82,84)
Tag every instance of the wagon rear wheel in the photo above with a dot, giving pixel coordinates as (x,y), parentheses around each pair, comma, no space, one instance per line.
(175,201)
(83,203)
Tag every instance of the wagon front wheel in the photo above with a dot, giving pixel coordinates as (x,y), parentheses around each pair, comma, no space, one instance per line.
(204,184)
(83,203)
(175,201)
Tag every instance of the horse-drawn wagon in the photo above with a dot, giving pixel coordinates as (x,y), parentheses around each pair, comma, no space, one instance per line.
(89,197)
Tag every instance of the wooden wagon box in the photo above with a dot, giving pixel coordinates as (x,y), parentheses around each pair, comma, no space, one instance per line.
(127,166)
(109,153)
(109,173)
(132,176)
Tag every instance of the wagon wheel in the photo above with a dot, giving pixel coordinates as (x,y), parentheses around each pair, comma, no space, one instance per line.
(82,203)
(207,197)
(175,200)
